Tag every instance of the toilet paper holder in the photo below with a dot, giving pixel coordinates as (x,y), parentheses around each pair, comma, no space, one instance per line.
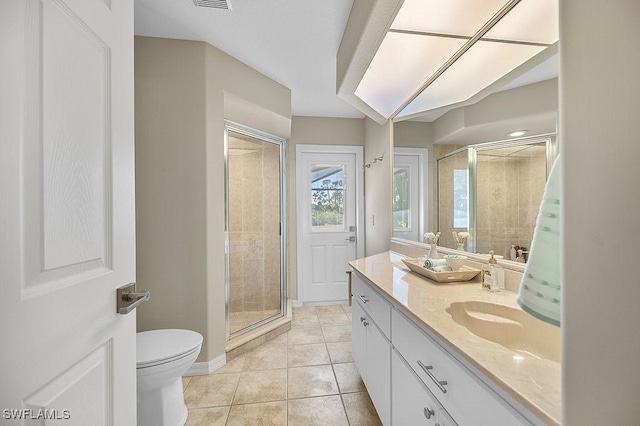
(128,298)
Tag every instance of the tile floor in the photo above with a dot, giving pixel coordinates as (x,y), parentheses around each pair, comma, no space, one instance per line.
(304,377)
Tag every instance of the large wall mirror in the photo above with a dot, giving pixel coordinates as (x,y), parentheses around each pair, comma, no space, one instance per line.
(492,191)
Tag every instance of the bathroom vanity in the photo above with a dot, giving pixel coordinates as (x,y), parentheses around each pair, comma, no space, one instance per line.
(422,365)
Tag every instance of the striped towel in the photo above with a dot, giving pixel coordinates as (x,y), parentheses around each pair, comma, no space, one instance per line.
(432,263)
(540,286)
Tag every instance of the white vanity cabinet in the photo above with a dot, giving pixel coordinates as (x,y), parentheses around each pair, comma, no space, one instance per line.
(461,393)
(410,375)
(371,346)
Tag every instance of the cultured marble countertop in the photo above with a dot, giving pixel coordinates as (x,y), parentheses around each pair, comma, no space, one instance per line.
(534,382)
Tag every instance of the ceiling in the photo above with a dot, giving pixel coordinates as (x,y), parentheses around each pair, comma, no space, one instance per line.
(292,42)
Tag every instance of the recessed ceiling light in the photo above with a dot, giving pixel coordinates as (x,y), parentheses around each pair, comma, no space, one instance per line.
(517,133)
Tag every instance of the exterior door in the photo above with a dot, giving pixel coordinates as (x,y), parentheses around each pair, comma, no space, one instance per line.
(409,186)
(328,188)
(66,211)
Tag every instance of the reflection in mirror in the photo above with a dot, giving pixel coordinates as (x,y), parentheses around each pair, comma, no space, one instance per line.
(401,197)
(453,199)
(493,191)
(408,193)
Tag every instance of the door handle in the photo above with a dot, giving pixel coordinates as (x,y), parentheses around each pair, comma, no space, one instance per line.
(128,298)
(351,239)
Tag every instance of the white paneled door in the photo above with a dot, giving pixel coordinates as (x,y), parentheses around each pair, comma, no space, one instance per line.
(66,212)
(409,193)
(329,200)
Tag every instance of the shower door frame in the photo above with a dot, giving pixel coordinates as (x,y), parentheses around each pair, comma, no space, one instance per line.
(281,143)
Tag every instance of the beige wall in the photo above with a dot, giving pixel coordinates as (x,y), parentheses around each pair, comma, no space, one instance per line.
(313,131)
(599,150)
(184,91)
(377,186)
(170,105)
(412,134)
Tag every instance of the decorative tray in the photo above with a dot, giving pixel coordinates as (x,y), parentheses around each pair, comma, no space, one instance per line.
(465,273)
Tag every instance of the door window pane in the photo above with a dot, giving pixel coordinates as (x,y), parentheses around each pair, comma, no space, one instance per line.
(401,200)
(327,197)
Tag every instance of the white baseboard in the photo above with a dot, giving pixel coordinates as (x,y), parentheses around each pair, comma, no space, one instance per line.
(300,303)
(330,302)
(206,368)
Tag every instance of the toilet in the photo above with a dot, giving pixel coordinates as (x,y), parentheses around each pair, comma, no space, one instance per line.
(163,356)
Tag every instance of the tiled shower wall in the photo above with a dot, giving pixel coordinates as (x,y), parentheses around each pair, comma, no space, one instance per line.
(254,227)
(509,195)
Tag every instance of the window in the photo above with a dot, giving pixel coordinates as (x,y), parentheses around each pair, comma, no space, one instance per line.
(327,197)
(460,198)
(401,201)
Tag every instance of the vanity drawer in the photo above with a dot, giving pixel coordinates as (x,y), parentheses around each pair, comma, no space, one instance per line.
(378,309)
(412,403)
(462,394)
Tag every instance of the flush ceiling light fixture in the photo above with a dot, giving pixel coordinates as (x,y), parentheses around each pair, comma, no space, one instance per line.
(517,133)
(440,52)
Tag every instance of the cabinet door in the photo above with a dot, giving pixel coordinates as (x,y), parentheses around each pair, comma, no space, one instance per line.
(379,371)
(412,403)
(359,339)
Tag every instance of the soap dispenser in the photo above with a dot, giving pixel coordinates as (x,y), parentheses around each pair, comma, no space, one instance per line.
(493,275)
(497,274)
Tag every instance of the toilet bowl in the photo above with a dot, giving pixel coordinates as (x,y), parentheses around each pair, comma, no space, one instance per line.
(163,356)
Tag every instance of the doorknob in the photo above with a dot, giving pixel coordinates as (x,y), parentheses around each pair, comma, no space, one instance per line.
(351,239)
(128,298)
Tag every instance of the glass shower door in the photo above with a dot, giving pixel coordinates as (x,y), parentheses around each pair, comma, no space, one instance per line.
(255,281)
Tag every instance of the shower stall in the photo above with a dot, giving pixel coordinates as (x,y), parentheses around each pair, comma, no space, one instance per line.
(255,249)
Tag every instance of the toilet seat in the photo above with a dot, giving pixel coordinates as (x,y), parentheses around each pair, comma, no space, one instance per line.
(158,347)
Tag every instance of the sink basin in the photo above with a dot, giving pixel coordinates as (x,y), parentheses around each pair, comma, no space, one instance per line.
(510,327)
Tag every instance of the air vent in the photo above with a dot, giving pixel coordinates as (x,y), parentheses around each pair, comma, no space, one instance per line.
(216,4)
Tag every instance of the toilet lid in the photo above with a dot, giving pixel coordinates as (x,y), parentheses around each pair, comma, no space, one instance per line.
(160,346)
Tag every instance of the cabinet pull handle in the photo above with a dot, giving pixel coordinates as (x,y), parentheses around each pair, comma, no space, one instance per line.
(428,413)
(427,369)
(365,323)
(364,299)
(362,319)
